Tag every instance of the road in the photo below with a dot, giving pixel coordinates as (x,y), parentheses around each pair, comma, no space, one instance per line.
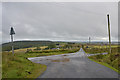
(73,65)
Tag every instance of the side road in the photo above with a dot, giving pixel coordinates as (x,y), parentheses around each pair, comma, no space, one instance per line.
(74,65)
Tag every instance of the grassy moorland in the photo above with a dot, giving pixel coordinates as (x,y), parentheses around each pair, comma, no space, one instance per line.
(18,66)
(108,60)
(95,48)
(50,52)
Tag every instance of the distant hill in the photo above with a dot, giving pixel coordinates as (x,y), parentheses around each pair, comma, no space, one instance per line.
(27,44)
(24,44)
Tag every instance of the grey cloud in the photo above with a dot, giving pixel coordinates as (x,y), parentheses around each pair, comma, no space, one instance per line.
(59,21)
(0,15)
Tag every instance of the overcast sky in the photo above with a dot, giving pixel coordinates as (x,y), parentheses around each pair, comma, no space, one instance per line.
(70,21)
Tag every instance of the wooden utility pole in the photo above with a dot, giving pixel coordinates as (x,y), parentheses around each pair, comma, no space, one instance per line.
(109,34)
(89,40)
(12,32)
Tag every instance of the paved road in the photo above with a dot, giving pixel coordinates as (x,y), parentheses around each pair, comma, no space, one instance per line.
(74,65)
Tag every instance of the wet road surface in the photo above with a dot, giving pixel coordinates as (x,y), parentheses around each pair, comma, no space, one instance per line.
(73,65)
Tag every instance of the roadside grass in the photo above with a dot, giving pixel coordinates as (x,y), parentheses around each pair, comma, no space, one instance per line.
(101,45)
(95,50)
(108,60)
(105,64)
(18,66)
(50,52)
(105,46)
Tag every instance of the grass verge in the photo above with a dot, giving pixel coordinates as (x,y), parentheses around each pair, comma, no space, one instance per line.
(105,64)
(20,67)
(110,60)
(50,52)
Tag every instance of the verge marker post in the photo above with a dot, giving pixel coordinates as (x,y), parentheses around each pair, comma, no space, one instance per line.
(12,32)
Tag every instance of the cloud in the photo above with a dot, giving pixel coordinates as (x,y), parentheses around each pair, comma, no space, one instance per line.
(0,14)
(59,21)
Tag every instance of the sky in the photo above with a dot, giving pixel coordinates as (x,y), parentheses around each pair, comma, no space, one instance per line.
(0,24)
(59,21)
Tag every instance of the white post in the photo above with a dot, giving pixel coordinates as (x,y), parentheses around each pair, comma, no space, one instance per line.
(12,44)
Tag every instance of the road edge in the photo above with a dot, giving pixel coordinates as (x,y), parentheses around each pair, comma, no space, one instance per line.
(106,65)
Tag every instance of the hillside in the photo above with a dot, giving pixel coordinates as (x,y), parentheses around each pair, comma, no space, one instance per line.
(25,44)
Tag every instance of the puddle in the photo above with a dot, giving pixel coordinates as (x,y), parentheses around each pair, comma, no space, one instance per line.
(65,55)
(48,59)
(63,60)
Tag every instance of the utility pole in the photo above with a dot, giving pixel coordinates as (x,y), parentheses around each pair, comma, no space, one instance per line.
(89,40)
(109,33)
(12,32)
